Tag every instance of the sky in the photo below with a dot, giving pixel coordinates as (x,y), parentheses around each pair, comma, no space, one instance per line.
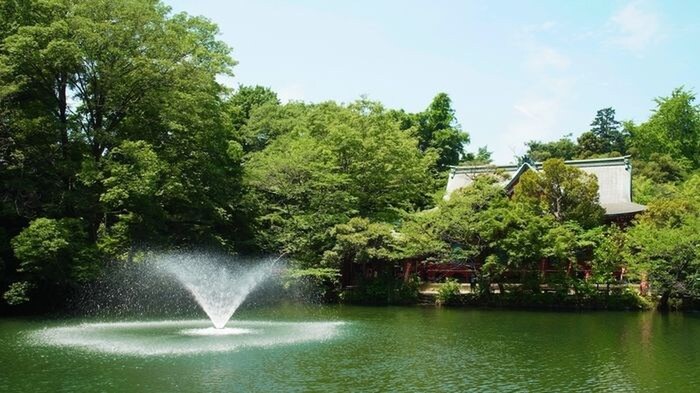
(515,70)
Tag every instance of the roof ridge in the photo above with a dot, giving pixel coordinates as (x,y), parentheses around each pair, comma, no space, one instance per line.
(621,159)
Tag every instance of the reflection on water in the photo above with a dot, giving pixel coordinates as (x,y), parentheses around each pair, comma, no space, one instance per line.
(374,349)
(209,331)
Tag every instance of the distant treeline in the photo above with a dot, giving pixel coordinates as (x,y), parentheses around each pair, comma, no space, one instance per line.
(116,137)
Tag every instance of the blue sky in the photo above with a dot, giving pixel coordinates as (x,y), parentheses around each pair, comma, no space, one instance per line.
(515,70)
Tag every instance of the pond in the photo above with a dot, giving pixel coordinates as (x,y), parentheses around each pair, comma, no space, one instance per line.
(343,348)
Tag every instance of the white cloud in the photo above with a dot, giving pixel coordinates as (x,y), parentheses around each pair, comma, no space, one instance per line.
(539,110)
(538,115)
(540,56)
(545,57)
(525,110)
(635,28)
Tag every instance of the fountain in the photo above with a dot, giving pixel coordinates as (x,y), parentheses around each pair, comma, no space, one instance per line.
(219,289)
(219,285)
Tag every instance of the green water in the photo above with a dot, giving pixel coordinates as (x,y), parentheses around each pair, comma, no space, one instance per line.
(376,350)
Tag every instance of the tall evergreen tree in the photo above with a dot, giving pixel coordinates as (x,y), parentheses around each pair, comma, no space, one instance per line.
(605,136)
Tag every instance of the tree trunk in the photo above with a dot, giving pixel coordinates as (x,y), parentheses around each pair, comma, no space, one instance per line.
(62,114)
(63,168)
(663,301)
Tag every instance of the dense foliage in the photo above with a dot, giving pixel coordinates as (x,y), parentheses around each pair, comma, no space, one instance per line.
(662,245)
(116,136)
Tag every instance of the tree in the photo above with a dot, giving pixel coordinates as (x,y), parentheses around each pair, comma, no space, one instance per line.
(609,254)
(362,241)
(242,105)
(673,129)
(96,74)
(479,225)
(437,128)
(462,229)
(133,179)
(604,138)
(328,164)
(462,225)
(481,157)
(538,151)
(421,235)
(111,114)
(604,125)
(53,255)
(471,220)
(297,196)
(662,168)
(646,190)
(521,246)
(665,243)
(566,244)
(268,122)
(565,192)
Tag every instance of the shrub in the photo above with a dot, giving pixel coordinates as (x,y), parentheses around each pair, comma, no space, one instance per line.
(384,291)
(319,284)
(18,293)
(448,293)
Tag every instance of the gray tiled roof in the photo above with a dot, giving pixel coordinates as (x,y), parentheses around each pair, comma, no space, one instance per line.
(614,180)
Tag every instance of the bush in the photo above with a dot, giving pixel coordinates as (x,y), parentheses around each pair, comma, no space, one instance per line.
(384,291)
(448,293)
(591,300)
(318,284)
(627,300)
(18,293)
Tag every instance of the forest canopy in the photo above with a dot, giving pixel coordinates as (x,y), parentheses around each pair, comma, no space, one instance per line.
(116,136)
